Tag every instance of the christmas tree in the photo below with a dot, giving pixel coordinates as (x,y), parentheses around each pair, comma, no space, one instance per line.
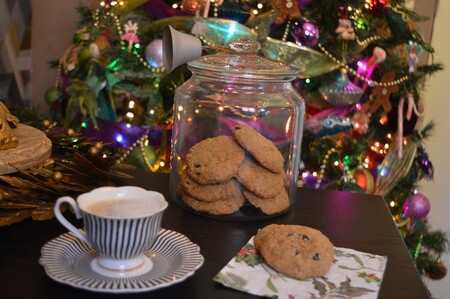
(359,76)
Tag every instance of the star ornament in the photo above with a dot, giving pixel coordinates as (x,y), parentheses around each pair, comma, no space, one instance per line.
(381,94)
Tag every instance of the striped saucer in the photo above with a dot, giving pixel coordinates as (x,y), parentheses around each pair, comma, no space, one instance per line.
(67,260)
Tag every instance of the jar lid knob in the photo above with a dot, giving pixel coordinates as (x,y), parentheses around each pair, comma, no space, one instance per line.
(244,46)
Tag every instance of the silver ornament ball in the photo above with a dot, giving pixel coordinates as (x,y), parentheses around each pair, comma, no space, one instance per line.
(154,53)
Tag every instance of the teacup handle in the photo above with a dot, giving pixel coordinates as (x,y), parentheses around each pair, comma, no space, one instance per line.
(78,233)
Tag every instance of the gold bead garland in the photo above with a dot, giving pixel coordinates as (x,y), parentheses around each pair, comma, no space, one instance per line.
(284,38)
(324,166)
(367,41)
(119,30)
(142,143)
(368,81)
(204,40)
(216,9)
(58,73)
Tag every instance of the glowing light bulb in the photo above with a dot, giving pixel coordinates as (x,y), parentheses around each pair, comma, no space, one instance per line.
(119,138)
(131,104)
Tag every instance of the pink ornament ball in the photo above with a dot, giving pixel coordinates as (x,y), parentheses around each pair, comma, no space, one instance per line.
(416,206)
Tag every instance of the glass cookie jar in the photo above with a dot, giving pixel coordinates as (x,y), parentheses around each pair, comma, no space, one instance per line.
(236,136)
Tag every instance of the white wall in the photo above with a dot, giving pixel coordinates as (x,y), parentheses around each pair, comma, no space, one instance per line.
(53,26)
(437,107)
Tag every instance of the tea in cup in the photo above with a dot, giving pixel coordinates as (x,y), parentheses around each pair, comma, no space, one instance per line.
(120,224)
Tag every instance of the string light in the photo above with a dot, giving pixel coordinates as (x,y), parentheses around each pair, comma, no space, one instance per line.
(379,148)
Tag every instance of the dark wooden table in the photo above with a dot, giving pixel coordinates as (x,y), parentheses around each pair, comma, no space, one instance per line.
(357,221)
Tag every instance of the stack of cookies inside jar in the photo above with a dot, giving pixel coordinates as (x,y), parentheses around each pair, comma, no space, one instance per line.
(224,174)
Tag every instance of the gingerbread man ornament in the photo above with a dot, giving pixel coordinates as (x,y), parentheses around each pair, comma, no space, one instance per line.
(288,10)
(381,94)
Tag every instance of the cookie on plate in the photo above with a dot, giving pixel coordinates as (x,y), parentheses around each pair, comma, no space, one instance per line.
(210,192)
(218,207)
(214,160)
(297,251)
(262,182)
(269,206)
(261,148)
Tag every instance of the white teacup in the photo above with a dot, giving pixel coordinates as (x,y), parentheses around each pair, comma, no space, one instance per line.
(120,223)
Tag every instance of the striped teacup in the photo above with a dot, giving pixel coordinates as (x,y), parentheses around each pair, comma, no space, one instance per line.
(120,224)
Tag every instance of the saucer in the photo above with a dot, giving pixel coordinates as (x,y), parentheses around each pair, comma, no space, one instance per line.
(68,260)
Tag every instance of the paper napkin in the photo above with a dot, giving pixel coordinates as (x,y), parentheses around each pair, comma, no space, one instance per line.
(354,274)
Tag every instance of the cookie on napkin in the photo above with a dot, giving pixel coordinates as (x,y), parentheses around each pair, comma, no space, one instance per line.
(297,251)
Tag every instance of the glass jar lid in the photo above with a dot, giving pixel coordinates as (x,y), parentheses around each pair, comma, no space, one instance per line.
(242,61)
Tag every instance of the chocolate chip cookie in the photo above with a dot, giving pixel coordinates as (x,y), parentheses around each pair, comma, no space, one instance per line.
(297,251)
(210,192)
(262,182)
(261,148)
(214,160)
(269,206)
(218,207)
